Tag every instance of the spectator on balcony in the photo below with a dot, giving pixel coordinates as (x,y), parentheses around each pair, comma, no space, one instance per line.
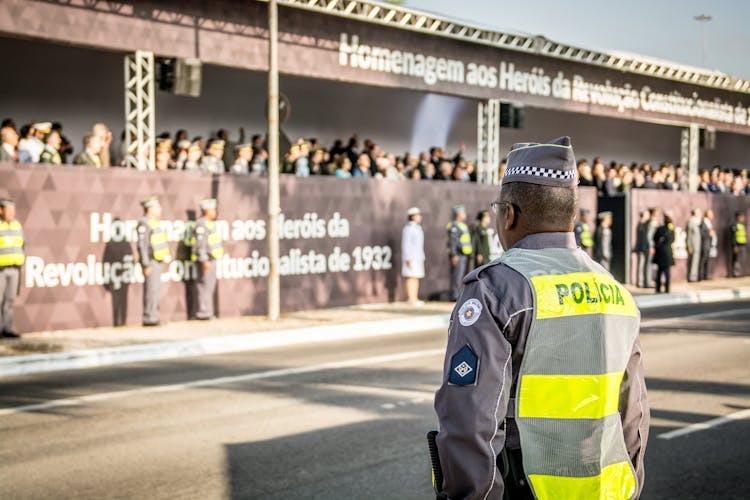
(241,164)
(92,146)
(101,131)
(318,164)
(9,138)
(181,153)
(66,148)
(32,144)
(343,167)
(363,166)
(163,158)
(194,158)
(51,153)
(213,161)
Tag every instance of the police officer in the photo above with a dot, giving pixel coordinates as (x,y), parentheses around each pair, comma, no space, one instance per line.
(207,248)
(738,238)
(480,239)
(153,251)
(459,248)
(583,232)
(543,392)
(213,162)
(603,240)
(11,259)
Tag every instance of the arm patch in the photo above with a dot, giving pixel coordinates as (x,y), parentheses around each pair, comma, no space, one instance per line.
(464,367)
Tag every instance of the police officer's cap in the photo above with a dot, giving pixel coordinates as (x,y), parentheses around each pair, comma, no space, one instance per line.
(44,127)
(184,144)
(208,203)
(195,145)
(604,215)
(413,211)
(151,201)
(552,164)
(482,214)
(585,211)
(216,144)
(240,147)
(7,202)
(457,209)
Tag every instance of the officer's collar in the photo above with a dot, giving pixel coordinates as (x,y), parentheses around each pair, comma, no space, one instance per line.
(538,241)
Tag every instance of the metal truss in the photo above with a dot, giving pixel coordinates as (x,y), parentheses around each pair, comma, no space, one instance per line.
(399,17)
(140,133)
(488,142)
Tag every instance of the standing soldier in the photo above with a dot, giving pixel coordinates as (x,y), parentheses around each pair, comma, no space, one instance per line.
(152,252)
(582,232)
(642,251)
(480,239)
(459,248)
(213,162)
(207,248)
(51,151)
(543,394)
(738,240)
(11,259)
(603,240)
(412,255)
(663,253)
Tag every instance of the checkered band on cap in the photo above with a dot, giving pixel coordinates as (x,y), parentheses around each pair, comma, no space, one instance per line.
(542,172)
(550,164)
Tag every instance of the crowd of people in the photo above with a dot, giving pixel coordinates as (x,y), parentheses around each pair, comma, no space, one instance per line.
(46,143)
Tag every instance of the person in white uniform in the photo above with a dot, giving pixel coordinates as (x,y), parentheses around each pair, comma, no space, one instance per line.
(412,255)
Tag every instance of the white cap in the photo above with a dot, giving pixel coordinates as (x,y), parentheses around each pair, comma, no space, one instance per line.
(413,211)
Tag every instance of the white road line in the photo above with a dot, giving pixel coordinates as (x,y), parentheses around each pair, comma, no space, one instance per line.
(711,315)
(106,396)
(702,426)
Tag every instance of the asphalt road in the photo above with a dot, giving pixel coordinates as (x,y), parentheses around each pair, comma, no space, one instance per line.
(344,421)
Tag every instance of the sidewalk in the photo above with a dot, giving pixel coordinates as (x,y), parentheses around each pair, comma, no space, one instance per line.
(91,347)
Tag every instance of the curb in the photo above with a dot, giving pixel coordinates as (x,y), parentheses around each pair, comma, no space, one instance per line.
(14,366)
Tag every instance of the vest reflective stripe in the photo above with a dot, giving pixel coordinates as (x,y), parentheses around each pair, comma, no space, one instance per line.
(158,240)
(213,240)
(11,244)
(568,391)
(569,396)
(613,482)
(740,236)
(586,240)
(465,239)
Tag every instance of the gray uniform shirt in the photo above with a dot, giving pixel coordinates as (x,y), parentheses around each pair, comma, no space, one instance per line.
(470,438)
(145,251)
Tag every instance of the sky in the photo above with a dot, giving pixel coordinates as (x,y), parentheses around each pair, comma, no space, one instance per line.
(664,29)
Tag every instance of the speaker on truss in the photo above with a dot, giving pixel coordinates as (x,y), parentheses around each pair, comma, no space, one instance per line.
(180,76)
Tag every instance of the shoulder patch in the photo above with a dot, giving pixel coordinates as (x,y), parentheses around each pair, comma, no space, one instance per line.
(464,367)
(469,312)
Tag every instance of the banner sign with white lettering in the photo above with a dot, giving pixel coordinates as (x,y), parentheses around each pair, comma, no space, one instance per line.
(340,240)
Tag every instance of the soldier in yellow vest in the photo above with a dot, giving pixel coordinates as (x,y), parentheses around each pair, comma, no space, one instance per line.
(543,392)
(11,260)
(739,243)
(582,231)
(207,248)
(153,253)
(459,249)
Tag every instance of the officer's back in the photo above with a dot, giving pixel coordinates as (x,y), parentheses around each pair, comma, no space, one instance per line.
(543,392)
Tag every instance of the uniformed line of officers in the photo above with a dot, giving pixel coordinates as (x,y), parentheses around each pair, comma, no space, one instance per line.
(205,246)
(468,247)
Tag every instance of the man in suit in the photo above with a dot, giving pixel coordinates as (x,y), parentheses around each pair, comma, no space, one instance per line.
(642,250)
(693,242)
(9,138)
(92,146)
(708,239)
(663,254)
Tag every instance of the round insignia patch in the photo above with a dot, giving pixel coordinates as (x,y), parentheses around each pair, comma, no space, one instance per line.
(469,312)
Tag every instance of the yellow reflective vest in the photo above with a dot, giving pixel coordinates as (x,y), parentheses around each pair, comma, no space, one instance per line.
(567,397)
(740,236)
(158,241)
(11,244)
(464,239)
(210,242)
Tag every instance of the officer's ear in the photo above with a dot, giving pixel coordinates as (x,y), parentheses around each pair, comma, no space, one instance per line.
(511,216)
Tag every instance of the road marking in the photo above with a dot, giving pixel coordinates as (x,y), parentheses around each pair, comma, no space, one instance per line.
(702,426)
(716,314)
(106,396)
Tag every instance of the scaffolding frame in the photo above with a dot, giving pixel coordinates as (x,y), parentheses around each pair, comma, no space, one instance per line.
(488,141)
(140,129)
